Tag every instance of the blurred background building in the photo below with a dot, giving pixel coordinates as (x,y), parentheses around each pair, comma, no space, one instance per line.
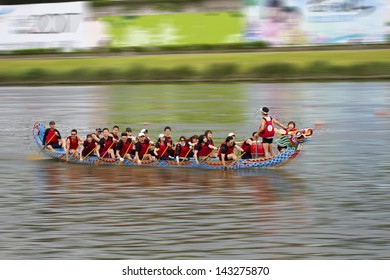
(76,25)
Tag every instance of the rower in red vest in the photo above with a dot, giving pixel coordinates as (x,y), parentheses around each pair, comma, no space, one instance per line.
(52,137)
(105,145)
(146,132)
(161,150)
(124,147)
(247,146)
(72,143)
(115,133)
(169,141)
(267,132)
(183,149)
(210,144)
(226,151)
(192,142)
(202,149)
(96,135)
(142,148)
(88,146)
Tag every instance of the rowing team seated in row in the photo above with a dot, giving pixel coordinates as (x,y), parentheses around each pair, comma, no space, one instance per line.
(106,144)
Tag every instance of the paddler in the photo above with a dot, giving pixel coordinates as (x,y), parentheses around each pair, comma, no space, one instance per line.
(142,148)
(104,147)
(247,146)
(88,146)
(124,147)
(72,143)
(226,151)
(52,137)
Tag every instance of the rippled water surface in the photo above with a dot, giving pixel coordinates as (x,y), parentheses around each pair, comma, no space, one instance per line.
(330,203)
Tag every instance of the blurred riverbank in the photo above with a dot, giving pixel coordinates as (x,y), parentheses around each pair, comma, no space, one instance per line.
(324,65)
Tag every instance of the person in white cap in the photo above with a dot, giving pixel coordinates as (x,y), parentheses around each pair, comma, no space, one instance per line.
(161,150)
(232,134)
(145,131)
(226,151)
(142,149)
(267,132)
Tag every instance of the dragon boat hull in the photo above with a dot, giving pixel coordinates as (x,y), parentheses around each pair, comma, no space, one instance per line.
(281,159)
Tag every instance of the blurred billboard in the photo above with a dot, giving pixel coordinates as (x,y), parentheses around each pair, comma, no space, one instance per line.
(175,29)
(66,26)
(72,26)
(316,22)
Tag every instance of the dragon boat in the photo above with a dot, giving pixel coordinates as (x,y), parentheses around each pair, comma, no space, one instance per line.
(293,141)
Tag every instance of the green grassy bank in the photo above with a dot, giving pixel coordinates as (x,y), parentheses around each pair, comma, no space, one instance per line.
(276,66)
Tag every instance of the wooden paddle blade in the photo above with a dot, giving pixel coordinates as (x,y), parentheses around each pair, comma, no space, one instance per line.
(34,157)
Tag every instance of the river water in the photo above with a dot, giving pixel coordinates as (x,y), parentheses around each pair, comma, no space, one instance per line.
(332,202)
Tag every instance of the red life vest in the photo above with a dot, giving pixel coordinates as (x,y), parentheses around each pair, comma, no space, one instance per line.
(168,140)
(246,147)
(209,150)
(204,150)
(116,137)
(268,131)
(183,150)
(219,150)
(88,146)
(144,149)
(106,144)
(126,147)
(230,150)
(50,134)
(74,143)
(162,148)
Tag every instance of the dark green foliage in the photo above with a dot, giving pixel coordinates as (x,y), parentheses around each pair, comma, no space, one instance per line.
(136,73)
(183,72)
(274,70)
(79,74)
(220,71)
(107,74)
(34,74)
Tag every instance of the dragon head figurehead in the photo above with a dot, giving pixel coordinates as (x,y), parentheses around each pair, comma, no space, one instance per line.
(292,139)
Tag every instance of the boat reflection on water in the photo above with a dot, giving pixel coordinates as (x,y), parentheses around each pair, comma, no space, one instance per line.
(74,185)
(167,213)
(58,176)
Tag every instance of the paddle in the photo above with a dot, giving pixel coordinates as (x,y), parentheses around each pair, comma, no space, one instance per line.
(74,152)
(98,161)
(161,155)
(38,156)
(185,156)
(230,165)
(81,158)
(124,156)
(144,153)
(256,148)
(47,143)
(207,157)
(147,150)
